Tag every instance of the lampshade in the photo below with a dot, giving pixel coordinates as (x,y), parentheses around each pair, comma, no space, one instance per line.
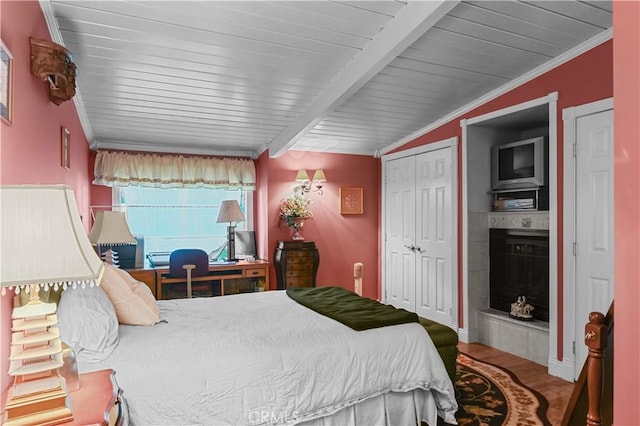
(111,228)
(42,238)
(302,176)
(230,212)
(42,243)
(318,176)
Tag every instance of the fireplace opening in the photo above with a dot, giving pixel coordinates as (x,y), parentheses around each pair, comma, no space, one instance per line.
(519,266)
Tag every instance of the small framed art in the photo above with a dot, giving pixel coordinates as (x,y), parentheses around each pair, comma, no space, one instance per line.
(6,81)
(351,200)
(65,148)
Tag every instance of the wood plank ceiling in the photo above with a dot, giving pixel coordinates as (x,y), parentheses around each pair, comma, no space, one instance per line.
(239,77)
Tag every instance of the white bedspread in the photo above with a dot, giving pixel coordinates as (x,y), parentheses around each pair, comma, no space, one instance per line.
(261,358)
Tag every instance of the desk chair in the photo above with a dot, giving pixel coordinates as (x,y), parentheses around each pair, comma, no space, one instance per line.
(189,265)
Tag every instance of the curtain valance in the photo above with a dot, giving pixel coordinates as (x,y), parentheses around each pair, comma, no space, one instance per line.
(173,171)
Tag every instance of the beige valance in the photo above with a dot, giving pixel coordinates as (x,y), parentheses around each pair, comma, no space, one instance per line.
(173,171)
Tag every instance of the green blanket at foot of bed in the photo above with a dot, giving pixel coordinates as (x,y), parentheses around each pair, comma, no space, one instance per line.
(354,311)
(361,313)
(445,340)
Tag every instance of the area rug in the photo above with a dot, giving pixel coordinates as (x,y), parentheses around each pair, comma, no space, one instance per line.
(488,395)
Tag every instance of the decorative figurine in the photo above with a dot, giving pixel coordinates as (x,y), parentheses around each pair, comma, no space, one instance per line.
(521,309)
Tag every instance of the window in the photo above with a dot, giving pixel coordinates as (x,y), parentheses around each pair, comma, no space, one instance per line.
(174,218)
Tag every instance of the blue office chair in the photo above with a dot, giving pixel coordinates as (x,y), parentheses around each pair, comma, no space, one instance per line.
(192,267)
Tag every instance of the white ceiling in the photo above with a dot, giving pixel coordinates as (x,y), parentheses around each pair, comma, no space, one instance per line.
(359,77)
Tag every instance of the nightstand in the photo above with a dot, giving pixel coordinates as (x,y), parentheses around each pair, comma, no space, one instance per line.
(99,401)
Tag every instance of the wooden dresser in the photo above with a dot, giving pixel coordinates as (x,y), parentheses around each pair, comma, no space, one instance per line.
(296,264)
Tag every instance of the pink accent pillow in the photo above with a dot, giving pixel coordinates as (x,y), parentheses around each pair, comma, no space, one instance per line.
(133,301)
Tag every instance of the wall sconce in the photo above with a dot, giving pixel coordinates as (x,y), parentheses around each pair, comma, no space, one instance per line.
(53,63)
(314,184)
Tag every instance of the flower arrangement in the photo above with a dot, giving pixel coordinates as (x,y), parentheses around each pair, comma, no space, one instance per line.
(293,209)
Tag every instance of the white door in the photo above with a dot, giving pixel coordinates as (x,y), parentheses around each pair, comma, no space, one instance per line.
(400,233)
(594,222)
(420,221)
(433,237)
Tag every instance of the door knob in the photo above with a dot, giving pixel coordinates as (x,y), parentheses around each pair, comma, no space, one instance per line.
(411,247)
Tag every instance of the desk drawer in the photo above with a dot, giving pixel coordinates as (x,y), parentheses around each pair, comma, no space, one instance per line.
(257,272)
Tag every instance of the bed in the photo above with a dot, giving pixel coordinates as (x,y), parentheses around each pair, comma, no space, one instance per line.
(258,359)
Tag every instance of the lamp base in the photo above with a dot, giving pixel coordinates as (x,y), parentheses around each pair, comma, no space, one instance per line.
(26,404)
(231,244)
(110,257)
(39,393)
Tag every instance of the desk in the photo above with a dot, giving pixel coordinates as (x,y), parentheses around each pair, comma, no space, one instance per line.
(220,272)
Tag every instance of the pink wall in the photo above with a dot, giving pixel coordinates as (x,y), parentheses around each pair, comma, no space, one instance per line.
(33,140)
(342,240)
(584,79)
(626,57)
(30,146)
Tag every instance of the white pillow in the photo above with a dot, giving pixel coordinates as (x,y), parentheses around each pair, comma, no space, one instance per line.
(88,323)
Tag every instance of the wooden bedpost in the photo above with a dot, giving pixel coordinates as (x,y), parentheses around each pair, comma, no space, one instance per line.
(596,340)
(591,401)
(357,277)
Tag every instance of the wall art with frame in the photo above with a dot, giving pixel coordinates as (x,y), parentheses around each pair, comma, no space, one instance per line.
(351,200)
(6,83)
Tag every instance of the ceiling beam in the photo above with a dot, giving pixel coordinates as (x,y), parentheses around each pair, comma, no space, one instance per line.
(404,29)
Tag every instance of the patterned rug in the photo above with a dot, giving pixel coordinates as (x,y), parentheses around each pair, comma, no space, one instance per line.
(488,395)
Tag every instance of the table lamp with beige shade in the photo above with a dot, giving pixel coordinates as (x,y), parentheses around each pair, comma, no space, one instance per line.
(230,212)
(110,229)
(43,245)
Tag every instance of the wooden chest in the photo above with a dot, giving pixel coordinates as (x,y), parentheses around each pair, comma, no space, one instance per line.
(296,264)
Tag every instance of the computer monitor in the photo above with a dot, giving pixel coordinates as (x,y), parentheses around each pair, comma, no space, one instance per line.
(246,245)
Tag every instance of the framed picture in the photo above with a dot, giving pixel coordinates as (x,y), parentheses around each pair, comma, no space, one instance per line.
(65,149)
(351,200)
(6,80)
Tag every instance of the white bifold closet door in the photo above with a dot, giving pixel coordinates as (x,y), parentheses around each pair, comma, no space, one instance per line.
(419,234)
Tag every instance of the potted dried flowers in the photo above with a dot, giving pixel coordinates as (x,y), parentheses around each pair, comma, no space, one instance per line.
(294,210)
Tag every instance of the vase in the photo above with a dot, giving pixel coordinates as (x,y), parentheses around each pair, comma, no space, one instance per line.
(296,227)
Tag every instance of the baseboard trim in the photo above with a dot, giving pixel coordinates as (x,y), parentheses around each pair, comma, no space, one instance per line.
(562,369)
(463,335)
